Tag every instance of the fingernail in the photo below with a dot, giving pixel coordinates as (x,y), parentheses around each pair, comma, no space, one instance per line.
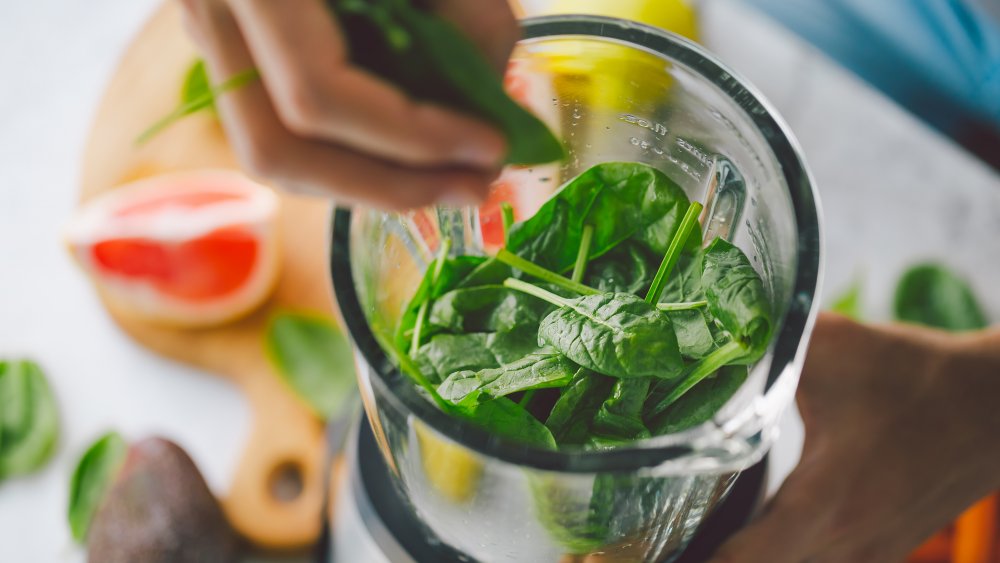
(459,198)
(479,153)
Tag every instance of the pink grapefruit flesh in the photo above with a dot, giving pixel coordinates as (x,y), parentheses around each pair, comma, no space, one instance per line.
(193,248)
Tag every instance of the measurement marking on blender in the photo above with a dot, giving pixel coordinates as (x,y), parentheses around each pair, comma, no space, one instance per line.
(694,151)
(657,128)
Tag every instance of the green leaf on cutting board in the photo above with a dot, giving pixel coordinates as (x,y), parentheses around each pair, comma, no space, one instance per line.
(91,480)
(314,357)
(932,295)
(29,418)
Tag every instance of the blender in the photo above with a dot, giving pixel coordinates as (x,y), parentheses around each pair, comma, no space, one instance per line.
(423,486)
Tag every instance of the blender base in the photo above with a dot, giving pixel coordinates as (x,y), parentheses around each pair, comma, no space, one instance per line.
(373,523)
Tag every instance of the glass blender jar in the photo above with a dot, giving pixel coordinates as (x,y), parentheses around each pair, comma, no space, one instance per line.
(614,91)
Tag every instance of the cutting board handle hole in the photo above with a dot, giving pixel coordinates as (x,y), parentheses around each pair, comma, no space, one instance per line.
(286,482)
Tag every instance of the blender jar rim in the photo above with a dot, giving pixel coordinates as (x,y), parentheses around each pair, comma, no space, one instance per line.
(792,330)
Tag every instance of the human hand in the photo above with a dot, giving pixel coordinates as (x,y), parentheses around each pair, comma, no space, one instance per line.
(317,124)
(901,435)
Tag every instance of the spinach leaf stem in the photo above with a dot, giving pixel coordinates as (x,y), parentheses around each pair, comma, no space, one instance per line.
(536,291)
(507,218)
(699,371)
(673,252)
(418,326)
(683,306)
(582,255)
(532,269)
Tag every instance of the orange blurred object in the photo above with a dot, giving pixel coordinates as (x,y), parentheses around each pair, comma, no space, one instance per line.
(191,248)
(973,538)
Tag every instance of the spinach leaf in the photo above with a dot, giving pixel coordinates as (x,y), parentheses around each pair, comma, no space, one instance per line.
(685,283)
(430,59)
(612,512)
(573,413)
(932,295)
(312,355)
(451,272)
(621,414)
(737,298)
(731,352)
(617,334)
(92,478)
(447,354)
(197,85)
(643,201)
(700,403)
(29,419)
(487,308)
(694,338)
(197,95)
(625,269)
(849,302)
(490,272)
(539,370)
(506,418)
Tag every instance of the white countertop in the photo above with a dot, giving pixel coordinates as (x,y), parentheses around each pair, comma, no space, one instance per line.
(893,192)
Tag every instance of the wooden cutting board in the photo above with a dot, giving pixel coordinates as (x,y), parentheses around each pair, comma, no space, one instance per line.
(285,434)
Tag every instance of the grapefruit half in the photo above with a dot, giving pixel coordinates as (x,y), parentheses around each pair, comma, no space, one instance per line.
(192,248)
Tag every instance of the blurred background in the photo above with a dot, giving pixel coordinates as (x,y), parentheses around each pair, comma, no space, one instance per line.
(896,105)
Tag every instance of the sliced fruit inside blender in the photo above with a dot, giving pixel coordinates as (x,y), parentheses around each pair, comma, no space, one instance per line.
(602,319)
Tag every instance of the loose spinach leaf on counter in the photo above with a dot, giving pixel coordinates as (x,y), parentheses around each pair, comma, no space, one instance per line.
(92,477)
(932,295)
(643,202)
(431,60)
(849,302)
(539,370)
(29,419)
(314,357)
(617,334)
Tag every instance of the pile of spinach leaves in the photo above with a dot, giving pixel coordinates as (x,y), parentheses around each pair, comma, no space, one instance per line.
(603,320)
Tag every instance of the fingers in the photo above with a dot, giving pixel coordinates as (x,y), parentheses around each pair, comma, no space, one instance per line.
(268,149)
(490,24)
(317,93)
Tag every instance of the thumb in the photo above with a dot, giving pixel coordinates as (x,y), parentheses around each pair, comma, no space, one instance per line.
(786,532)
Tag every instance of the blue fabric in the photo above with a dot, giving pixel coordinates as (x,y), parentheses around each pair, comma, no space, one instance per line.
(939,58)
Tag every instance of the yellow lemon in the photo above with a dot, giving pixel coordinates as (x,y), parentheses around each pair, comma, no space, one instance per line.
(450,469)
(673,15)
